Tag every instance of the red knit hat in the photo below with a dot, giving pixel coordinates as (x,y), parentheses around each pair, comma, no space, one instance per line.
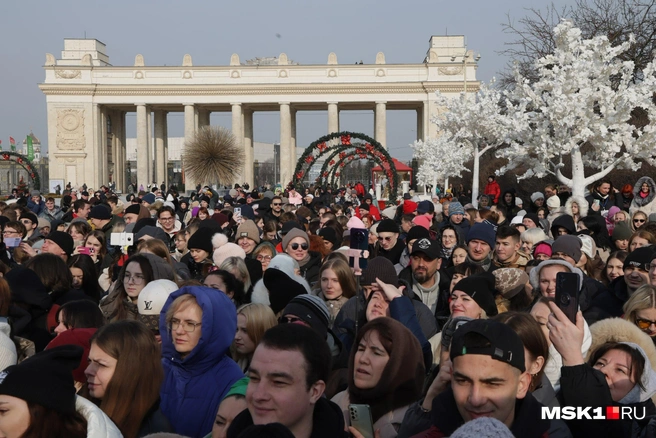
(409,206)
(81,337)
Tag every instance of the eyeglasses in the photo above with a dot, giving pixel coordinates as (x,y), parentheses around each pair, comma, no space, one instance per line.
(288,319)
(166,219)
(9,232)
(261,258)
(187,326)
(639,221)
(136,279)
(644,324)
(386,238)
(26,222)
(304,246)
(276,204)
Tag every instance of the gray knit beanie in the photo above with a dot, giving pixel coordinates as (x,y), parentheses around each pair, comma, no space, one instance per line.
(294,232)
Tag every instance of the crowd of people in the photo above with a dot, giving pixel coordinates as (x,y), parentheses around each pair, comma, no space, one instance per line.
(324,312)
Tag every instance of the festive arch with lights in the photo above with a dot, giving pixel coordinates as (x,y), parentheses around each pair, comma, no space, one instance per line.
(339,149)
(25,163)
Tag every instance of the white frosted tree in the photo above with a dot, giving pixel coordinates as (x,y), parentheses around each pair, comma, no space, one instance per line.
(440,160)
(475,123)
(581,109)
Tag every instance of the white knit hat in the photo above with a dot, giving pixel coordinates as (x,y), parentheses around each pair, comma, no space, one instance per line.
(224,249)
(553,202)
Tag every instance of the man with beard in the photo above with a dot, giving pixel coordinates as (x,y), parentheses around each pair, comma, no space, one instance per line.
(425,280)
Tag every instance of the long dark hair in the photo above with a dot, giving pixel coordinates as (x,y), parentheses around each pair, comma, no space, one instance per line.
(121,310)
(137,377)
(53,273)
(45,423)
(80,314)
(90,284)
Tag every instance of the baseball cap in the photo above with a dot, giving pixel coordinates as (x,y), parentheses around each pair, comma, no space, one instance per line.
(427,246)
(500,342)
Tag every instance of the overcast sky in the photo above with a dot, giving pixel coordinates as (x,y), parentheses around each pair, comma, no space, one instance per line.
(210,31)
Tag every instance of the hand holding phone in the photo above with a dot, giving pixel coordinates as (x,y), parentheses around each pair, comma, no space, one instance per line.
(360,416)
(567,294)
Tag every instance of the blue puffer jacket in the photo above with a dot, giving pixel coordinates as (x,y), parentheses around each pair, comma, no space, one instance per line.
(194,386)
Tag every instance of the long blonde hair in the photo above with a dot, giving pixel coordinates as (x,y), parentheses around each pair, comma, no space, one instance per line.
(259,319)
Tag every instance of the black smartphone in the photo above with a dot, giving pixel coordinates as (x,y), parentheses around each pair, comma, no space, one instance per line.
(567,294)
(359,240)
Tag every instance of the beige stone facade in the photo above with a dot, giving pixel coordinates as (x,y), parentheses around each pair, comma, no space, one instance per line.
(87,99)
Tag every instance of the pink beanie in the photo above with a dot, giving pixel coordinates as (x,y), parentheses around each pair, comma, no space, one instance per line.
(542,248)
(422,221)
(355,222)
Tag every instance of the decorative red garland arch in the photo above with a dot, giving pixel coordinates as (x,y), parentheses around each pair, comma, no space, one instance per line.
(343,146)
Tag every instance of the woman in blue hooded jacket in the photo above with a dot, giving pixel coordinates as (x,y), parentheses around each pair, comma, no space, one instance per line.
(197,325)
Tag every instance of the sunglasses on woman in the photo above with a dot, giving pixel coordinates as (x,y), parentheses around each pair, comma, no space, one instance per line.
(639,221)
(304,246)
(644,324)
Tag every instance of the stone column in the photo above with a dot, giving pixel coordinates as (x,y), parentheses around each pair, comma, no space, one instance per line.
(333,117)
(293,139)
(117,143)
(249,158)
(151,153)
(143,146)
(122,154)
(380,122)
(286,163)
(101,176)
(160,158)
(238,132)
(190,131)
(166,150)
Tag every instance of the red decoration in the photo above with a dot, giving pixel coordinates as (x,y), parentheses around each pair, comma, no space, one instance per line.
(342,155)
(309,159)
(332,162)
(299,175)
(369,147)
(346,139)
(5,156)
(351,158)
(325,174)
(322,146)
(337,174)
(19,160)
(342,164)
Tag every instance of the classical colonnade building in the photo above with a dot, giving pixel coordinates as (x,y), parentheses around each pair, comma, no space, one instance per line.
(87,100)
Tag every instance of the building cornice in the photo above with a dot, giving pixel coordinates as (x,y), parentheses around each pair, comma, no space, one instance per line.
(269,89)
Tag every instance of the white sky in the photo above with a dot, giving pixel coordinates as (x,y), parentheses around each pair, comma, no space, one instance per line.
(210,31)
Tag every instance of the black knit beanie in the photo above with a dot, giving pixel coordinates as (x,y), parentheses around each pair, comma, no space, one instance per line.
(381,268)
(45,379)
(312,310)
(387,225)
(201,239)
(481,288)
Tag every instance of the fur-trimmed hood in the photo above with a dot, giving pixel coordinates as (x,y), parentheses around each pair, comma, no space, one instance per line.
(621,330)
(581,202)
(637,199)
